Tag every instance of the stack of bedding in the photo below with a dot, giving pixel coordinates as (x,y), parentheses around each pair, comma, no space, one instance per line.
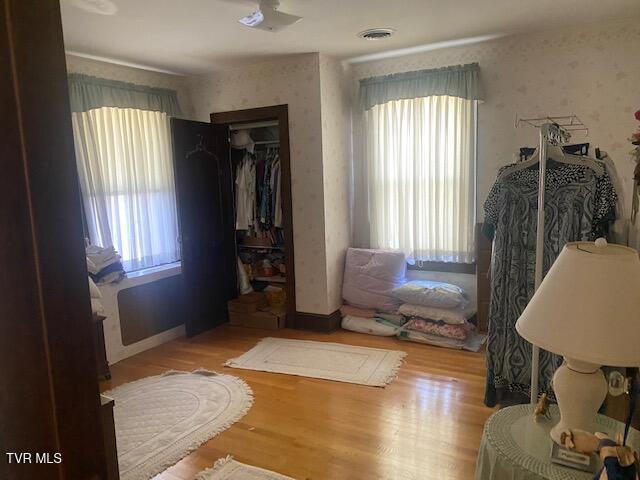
(369,279)
(370,321)
(379,301)
(104,265)
(438,314)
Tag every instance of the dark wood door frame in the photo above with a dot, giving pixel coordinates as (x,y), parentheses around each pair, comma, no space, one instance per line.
(281,114)
(49,400)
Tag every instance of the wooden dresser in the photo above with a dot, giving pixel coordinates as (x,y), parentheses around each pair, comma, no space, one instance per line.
(483,268)
(109,432)
(101,352)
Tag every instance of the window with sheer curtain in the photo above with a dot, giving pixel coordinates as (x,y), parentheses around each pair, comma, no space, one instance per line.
(126,177)
(420,174)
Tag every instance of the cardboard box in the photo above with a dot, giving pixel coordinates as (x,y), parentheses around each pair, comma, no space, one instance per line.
(249,303)
(269,318)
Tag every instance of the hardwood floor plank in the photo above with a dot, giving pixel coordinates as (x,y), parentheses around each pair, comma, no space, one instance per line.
(426,425)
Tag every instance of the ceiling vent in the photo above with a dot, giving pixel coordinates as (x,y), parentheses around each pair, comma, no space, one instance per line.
(376,33)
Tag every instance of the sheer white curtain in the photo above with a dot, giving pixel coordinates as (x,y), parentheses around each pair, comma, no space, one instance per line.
(420,170)
(126,176)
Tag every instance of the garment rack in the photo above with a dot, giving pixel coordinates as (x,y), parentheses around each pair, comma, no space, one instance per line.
(555,131)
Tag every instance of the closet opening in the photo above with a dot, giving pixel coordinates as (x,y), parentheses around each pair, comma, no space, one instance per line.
(260,165)
(233,192)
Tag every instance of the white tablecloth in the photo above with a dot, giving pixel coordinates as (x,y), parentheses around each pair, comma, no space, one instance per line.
(517,447)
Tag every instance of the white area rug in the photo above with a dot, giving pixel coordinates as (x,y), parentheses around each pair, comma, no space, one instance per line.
(160,419)
(330,361)
(229,469)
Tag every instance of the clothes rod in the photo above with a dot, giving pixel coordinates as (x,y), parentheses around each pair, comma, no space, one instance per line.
(248,126)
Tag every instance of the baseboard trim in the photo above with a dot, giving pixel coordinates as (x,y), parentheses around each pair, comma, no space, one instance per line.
(317,322)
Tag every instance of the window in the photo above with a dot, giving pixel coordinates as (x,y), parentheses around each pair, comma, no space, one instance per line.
(420,156)
(126,177)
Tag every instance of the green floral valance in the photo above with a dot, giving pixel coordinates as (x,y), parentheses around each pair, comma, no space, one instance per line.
(87,92)
(460,81)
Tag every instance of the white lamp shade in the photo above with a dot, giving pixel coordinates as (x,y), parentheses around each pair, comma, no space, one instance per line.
(588,306)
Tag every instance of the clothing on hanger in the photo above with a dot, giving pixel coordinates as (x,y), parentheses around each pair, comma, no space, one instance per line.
(579,205)
(259,193)
(245,193)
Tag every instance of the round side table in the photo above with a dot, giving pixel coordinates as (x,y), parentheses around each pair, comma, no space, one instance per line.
(515,446)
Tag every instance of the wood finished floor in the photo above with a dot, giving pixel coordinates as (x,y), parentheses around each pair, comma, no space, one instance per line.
(426,425)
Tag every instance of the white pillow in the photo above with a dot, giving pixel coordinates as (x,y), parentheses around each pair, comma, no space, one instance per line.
(96,306)
(431,294)
(370,325)
(93,289)
(452,316)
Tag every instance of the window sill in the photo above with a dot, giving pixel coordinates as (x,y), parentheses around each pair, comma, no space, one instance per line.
(167,269)
(448,267)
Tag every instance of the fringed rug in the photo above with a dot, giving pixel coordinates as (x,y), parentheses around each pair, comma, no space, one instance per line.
(330,361)
(228,469)
(160,419)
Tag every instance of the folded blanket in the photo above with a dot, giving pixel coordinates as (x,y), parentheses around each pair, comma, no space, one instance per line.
(458,332)
(394,318)
(452,316)
(473,343)
(357,312)
(428,339)
(372,326)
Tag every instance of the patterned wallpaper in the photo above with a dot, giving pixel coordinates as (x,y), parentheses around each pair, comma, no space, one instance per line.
(294,81)
(134,75)
(592,71)
(336,158)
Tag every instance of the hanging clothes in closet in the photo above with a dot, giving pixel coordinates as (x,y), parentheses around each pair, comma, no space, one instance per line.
(259,193)
(579,205)
(245,193)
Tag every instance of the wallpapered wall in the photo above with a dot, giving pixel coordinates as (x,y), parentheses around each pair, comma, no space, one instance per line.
(336,156)
(591,71)
(319,194)
(294,81)
(134,75)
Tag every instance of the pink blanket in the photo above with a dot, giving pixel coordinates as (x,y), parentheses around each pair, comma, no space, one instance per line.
(458,332)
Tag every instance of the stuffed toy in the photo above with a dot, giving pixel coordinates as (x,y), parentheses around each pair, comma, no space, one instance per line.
(620,462)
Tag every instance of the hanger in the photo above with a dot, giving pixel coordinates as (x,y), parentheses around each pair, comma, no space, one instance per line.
(200,147)
(556,154)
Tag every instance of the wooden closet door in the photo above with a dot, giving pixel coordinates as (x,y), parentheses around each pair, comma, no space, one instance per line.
(205,209)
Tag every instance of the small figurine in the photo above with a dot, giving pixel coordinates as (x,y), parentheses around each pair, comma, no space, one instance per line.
(620,462)
(542,407)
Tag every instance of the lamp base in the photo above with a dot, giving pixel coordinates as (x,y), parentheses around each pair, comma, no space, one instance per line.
(580,389)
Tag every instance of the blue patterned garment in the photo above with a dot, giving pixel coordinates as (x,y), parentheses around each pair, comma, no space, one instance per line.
(578,206)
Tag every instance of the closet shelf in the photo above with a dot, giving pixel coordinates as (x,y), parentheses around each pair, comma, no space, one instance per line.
(255,247)
(249,126)
(267,142)
(274,279)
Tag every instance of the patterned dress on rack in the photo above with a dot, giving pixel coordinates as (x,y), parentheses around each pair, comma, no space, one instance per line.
(578,206)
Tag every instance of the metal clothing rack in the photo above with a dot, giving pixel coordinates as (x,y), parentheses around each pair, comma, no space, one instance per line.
(553,131)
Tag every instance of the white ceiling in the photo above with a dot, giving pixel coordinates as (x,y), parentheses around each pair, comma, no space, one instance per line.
(197,36)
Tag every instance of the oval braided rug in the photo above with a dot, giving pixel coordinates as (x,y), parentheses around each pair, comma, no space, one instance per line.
(160,419)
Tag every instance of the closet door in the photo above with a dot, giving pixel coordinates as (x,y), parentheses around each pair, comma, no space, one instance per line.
(205,209)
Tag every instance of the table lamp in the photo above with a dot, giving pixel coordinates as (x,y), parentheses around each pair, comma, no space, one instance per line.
(587,309)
